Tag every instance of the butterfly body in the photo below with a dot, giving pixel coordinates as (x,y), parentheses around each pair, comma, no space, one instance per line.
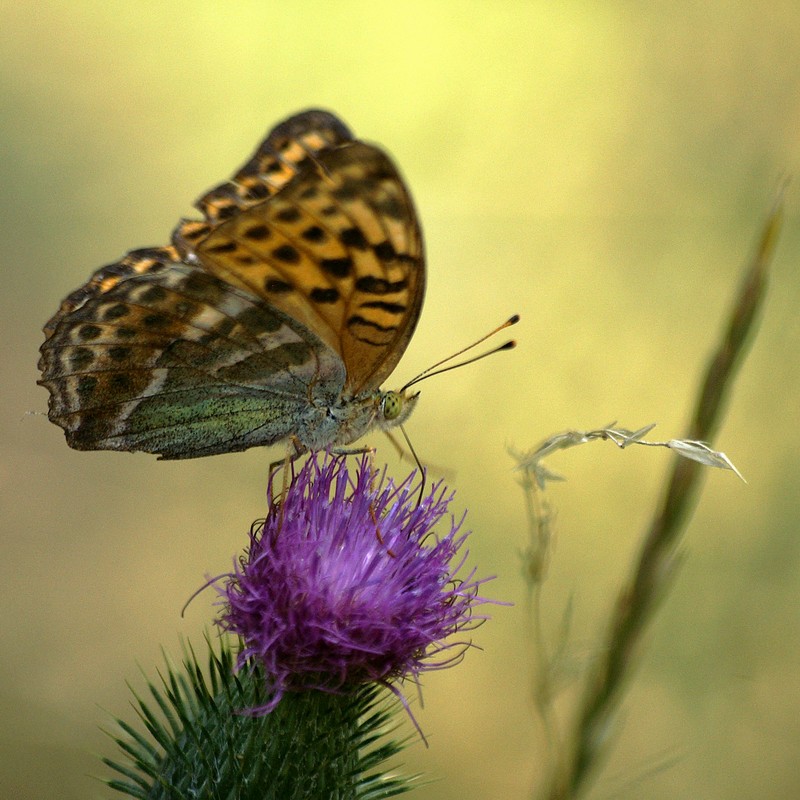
(276,316)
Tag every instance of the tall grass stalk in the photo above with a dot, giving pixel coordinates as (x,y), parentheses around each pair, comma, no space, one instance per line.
(576,753)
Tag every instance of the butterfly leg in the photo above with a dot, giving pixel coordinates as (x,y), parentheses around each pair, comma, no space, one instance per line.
(372,514)
(378,534)
(294,450)
(272,472)
(404,457)
(352,451)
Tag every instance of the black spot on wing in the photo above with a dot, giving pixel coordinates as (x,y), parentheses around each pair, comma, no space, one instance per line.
(86,385)
(353,237)
(257,191)
(154,294)
(349,190)
(290,214)
(392,208)
(155,321)
(224,247)
(369,284)
(119,353)
(392,308)
(257,233)
(385,251)
(117,311)
(120,381)
(327,295)
(80,358)
(287,254)
(338,267)
(89,332)
(260,319)
(277,286)
(314,234)
(370,332)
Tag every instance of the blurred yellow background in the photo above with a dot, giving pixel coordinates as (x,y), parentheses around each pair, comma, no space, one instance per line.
(601,169)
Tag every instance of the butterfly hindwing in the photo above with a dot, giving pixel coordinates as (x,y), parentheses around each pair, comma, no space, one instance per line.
(181,364)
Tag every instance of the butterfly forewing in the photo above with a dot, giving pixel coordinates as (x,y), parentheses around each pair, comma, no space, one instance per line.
(285,151)
(338,249)
(299,289)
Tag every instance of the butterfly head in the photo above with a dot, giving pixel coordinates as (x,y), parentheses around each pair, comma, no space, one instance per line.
(395,408)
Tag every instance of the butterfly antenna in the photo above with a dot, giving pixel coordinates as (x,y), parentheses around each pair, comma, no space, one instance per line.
(434,368)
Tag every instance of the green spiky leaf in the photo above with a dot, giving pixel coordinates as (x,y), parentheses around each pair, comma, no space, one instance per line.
(199,741)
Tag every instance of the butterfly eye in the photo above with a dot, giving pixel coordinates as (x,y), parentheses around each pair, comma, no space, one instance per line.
(392,405)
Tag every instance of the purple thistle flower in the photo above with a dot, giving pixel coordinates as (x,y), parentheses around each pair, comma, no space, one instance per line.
(345,583)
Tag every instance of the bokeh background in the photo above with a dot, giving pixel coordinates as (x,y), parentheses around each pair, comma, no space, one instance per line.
(601,169)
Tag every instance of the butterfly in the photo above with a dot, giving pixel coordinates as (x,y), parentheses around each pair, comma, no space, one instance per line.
(276,316)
